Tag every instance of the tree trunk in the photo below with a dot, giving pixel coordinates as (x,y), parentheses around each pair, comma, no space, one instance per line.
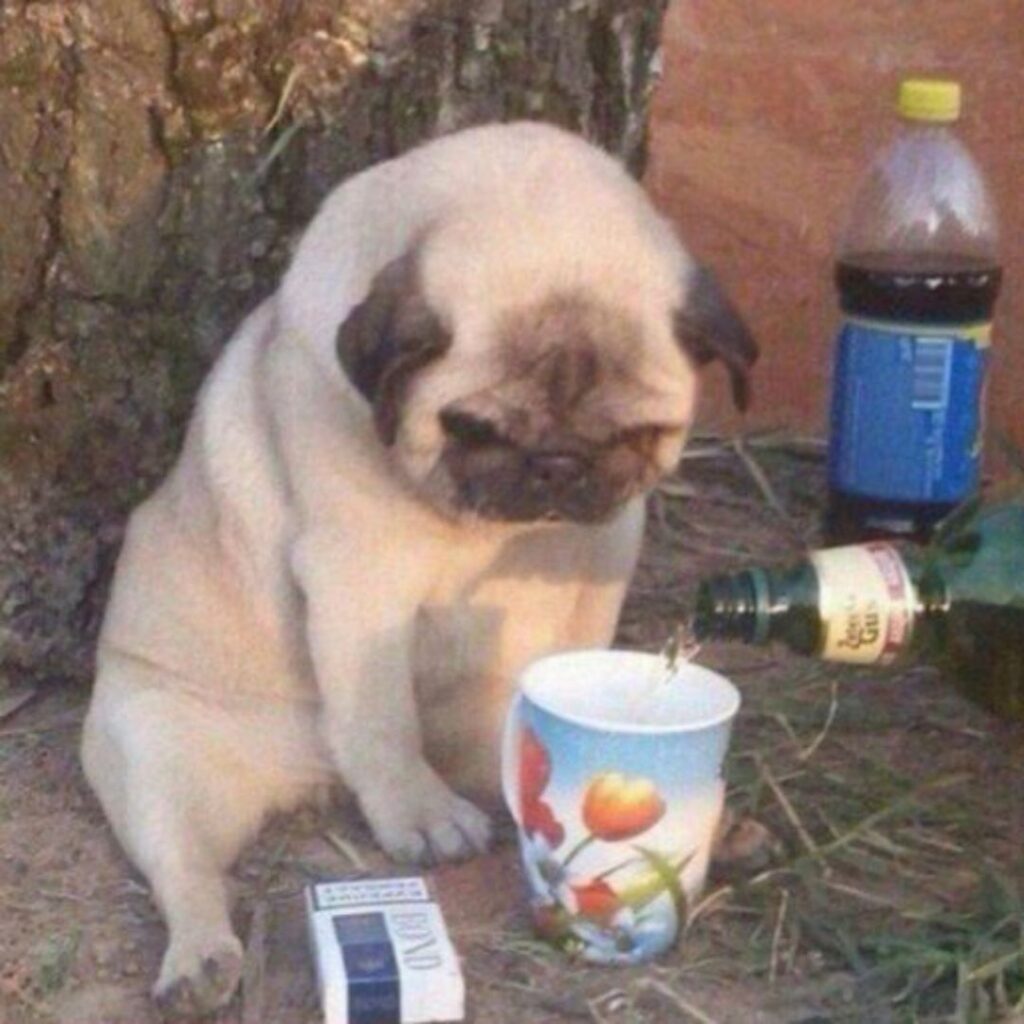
(157,157)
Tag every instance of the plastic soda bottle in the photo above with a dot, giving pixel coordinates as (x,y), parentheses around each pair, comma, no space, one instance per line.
(918,275)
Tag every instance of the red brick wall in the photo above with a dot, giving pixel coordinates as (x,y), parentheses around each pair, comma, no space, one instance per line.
(766,114)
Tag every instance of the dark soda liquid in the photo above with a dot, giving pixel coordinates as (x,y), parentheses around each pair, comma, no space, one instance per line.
(907,287)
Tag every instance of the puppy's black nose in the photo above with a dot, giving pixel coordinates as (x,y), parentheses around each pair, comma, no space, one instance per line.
(557,470)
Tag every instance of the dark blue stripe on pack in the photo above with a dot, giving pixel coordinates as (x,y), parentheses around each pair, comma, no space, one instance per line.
(371,968)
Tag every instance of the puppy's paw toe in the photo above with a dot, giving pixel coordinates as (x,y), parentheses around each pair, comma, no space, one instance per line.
(461,830)
(427,827)
(404,845)
(198,980)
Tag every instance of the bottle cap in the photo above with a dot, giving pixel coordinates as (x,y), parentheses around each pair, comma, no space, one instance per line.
(929,99)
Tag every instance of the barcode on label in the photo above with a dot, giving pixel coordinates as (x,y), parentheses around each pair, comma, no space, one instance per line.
(933,361)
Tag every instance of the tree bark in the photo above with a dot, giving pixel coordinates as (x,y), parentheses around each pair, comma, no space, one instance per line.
(157,158)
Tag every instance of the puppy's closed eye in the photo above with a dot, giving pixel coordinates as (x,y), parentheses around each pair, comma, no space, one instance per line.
(468,429)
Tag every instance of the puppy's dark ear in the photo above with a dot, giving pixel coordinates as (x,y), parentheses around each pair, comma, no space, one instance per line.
(709,327)
(387,338)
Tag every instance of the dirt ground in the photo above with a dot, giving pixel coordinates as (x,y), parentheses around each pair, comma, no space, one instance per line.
(894,891)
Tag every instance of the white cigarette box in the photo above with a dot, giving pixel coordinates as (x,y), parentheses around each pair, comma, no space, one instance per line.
(382,952)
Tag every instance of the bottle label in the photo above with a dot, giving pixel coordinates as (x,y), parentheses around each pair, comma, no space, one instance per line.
(866,603)
(906,411)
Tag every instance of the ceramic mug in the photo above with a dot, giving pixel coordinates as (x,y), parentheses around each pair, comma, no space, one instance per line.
(611,769)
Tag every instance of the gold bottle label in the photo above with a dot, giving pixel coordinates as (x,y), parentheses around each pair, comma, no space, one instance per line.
(866,603)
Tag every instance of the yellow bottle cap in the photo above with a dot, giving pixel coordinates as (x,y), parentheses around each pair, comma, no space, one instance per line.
(929,99)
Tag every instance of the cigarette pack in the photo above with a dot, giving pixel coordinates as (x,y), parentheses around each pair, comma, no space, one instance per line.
(382,952)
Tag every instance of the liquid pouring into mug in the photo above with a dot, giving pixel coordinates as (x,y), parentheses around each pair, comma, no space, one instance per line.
(681,647)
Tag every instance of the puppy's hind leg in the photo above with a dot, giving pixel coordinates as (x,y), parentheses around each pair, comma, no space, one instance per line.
(182,801)
(203,963)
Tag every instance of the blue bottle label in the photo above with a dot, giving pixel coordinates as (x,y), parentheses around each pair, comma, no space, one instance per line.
(906,410)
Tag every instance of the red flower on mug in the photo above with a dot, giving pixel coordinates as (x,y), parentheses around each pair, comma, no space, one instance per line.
(616,807)
(534,766)
(539,818)
(534,775)
(597,900)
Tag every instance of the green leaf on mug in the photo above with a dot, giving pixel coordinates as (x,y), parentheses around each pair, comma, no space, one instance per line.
(664,877)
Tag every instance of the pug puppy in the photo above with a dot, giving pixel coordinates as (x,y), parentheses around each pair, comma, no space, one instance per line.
(416,467)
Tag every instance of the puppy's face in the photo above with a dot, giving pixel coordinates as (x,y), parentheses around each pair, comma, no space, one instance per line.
(568,425)
(561,407)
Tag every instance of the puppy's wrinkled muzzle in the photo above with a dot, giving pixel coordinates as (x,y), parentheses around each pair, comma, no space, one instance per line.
(558,471)
(562,486)
(579,497)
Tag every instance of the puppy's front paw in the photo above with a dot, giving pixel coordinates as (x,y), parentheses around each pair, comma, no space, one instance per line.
(197,978)
(426,822)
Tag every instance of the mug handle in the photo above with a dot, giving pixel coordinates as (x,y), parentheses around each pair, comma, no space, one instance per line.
(510,757)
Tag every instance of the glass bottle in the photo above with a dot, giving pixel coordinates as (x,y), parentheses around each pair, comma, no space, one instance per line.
(957,604)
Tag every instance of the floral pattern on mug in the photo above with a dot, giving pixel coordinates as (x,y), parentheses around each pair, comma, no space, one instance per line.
(616,807)
(534,775)
(594,917)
